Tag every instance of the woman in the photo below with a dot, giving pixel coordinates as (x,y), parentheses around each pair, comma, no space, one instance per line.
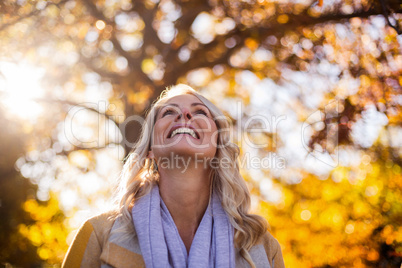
(183,201)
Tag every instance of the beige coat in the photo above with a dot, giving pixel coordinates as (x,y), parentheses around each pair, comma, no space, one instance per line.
(96,246)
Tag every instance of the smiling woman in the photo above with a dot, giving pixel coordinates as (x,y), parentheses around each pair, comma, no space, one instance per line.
(186,213)
(184,127)
(19,86)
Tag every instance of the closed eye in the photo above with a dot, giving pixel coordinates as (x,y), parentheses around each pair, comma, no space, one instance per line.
(201,111)
(167,112)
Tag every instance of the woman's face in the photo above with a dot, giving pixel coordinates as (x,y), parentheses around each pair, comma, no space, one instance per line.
(184,127)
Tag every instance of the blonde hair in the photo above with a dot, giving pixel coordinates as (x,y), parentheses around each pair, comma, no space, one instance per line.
(138,176)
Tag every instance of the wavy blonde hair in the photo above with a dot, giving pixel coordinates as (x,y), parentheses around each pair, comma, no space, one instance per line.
(138,176)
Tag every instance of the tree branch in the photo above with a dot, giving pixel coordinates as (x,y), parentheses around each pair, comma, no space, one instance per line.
(386,16)
(112,75)
(82,105)
(296,21)
(134,64)
(189,13)
(31,14)
(148,16)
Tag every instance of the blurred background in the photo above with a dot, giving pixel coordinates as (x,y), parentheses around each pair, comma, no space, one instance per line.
(321,81)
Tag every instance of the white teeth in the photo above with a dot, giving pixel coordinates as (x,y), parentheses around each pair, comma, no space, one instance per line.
(184,130)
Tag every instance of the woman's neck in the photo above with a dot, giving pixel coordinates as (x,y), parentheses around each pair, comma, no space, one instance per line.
(186,193)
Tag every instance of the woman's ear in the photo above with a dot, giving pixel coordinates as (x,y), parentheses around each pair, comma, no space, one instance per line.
(150,155)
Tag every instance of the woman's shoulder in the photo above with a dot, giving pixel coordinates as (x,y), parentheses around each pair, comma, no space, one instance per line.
(270,243)
(86,247)
(98,226)
(273,250)
(101,224)
(103,219)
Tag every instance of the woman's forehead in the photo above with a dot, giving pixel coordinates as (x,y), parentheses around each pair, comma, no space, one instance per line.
(183,98)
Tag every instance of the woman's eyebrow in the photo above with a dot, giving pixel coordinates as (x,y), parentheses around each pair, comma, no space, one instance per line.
(198,103)
(171,104)
(193,104)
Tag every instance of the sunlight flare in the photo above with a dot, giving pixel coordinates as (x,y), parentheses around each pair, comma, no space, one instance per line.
(20,88)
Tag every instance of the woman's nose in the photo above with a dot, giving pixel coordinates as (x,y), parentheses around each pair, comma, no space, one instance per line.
(186,113)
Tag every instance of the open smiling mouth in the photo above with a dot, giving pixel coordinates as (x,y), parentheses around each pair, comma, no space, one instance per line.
(184,130)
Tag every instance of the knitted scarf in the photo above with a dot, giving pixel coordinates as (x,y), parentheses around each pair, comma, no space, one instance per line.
(162,246)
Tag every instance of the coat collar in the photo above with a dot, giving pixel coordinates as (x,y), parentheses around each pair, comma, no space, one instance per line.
(123,250)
